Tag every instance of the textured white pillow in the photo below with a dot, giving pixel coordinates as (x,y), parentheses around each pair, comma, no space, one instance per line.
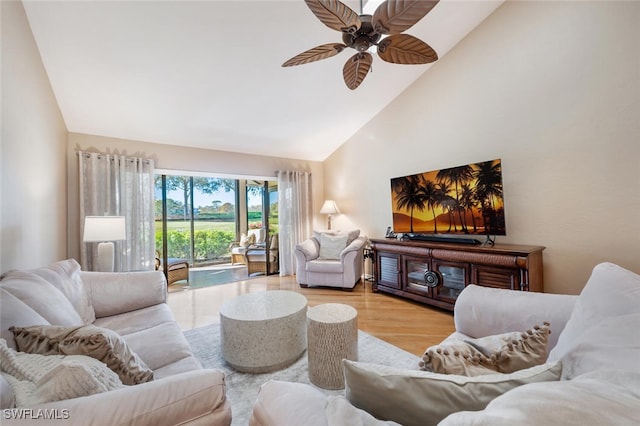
(417,398)
(36,379)
(332,245)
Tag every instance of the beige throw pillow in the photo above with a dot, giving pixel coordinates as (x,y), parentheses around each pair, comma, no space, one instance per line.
(100,343)
(331,246)
(418,398)
(247,240)
(473,358)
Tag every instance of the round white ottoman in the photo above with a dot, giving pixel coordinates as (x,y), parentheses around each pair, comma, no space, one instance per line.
(332,334)
(263,332)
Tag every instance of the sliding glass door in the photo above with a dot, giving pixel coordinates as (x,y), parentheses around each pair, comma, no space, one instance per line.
(197,218)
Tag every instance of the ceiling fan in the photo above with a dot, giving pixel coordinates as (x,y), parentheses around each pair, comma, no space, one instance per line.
(361,32)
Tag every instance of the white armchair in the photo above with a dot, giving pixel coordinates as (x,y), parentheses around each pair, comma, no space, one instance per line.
(330,259)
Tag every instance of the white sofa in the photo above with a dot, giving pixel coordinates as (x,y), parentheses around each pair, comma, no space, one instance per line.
(340,266)
(595,338)
(134,306)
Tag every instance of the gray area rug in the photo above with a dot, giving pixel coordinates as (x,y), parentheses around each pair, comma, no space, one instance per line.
(242,388)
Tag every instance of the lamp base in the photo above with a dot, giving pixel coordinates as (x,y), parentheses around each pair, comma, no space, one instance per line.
(105,257)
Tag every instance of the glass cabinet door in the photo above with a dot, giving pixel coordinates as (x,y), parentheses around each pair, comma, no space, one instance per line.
(453,277)
(418,280)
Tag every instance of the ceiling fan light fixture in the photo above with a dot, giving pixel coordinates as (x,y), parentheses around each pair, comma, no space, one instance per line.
(363,33)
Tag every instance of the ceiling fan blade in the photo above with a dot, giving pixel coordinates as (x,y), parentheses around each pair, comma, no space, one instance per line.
(335,15)
(396,16)
(406,49)
(356,69)
(318,53)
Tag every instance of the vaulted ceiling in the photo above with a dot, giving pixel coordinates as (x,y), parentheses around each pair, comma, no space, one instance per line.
(208,73)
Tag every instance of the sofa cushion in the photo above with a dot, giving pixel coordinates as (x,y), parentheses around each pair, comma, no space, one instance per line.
(611,291)
(65,276)
(325,266)
(140,319)
(474,357)
(41,296)
(151,345)
(100,343)
(148,332)
(340,412)
(183,365)
(36,379)
(604,397)
(419,397)
(273,407)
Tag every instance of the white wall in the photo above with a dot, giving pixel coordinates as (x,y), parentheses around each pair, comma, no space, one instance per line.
(33,173)
(179,158)
(551,88)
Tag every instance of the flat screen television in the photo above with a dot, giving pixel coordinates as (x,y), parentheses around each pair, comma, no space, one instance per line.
(464,200)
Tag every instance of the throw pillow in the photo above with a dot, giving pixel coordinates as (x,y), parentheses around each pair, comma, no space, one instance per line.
(475,357)
(416,398)
(65,276)
(247,240)
(331,246)
(352,235)
(308,248)
(100,343)
(37,379)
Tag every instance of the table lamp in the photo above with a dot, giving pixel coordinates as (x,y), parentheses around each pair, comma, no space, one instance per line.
(329,207)
(105,230)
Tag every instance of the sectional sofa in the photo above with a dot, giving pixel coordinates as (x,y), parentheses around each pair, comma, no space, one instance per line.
(588,372)
(121,318)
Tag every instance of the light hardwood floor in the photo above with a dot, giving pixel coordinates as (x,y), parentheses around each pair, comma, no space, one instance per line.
(406,324)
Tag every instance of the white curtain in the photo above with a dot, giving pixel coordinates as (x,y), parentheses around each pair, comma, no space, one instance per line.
(294,215)
(114,185)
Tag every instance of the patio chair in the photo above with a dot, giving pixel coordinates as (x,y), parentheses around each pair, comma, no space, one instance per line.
(256,257)
(177,269)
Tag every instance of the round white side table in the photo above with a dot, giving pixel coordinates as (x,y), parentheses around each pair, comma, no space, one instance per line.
(263,332)
(332,335)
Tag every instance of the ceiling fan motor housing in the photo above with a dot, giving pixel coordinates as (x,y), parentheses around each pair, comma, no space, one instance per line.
(364,37)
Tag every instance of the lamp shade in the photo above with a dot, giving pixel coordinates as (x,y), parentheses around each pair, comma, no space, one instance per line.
(104,228)
(329,207)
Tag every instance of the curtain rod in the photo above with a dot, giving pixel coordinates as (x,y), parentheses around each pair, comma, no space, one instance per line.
(112,157)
